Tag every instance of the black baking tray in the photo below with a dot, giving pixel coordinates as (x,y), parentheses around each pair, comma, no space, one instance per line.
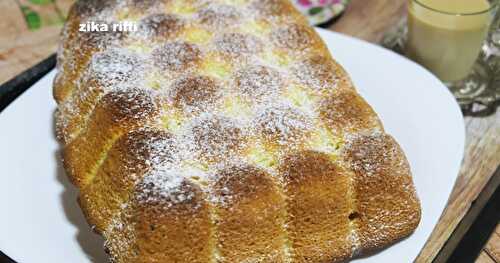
(13,88)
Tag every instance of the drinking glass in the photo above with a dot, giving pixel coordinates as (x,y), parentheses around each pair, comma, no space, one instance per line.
(446,39)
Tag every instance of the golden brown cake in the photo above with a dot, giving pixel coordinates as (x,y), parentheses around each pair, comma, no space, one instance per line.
(223,131)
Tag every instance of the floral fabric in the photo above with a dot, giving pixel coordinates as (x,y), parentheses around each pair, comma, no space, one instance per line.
(320,11)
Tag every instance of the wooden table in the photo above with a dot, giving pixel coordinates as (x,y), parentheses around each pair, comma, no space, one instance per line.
(21,48)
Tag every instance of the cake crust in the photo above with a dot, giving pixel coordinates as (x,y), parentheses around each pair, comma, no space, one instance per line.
(223,131)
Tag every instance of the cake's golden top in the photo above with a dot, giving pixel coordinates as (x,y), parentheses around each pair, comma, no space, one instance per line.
(216,116)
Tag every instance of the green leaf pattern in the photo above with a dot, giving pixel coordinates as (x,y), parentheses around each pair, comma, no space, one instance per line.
(41,2)
(34,19)
(320,11)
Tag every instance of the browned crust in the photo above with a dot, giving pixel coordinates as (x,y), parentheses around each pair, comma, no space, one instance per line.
(217,137)
(250,216)
(344,111)
(126,163)
(161,26)
(78,47)
(195,93)
(324,74)
(238,44)
(88,91)
(318,205)
(176,56)
(117,113)
(168,230)
(219,16)
(284,127)
(296,37)
(257,82)
(276,9)
(309,206)
(387,205)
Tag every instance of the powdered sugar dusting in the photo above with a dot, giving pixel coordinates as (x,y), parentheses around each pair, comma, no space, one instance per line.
(233,86)
(369,153)
(163,183)
(283,124)
(117,66)
(176,56)
(159,26)
(194,94)
(236,44)
(318,73)
(259,82)
(111,70)
(219,16)
(215,137)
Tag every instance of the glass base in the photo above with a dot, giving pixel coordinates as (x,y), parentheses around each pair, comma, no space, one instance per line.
(479,93)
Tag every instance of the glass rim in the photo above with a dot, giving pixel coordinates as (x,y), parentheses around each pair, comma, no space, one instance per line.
(492,6)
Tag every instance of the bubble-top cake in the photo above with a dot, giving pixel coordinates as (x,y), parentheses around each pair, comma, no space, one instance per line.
(223,131)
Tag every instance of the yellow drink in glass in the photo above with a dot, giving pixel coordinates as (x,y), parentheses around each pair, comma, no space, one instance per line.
(446,36)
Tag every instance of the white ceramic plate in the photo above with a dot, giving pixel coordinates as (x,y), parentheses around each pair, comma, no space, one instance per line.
(41,221)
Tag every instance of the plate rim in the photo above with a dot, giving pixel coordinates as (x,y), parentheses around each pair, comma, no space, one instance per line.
(320,31)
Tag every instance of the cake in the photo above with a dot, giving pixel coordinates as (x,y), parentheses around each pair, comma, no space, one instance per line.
(223,131)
